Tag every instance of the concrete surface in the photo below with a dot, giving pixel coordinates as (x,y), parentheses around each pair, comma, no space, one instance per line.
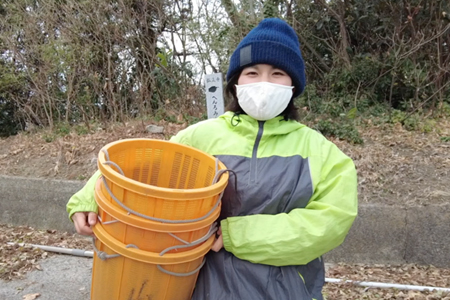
(39,203)
(381,234)
(428,235)
(63,277)
(377,236)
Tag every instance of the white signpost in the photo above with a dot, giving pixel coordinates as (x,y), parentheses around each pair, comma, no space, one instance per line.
(214,95)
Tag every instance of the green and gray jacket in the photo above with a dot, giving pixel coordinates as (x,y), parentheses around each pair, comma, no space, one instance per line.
(295,199)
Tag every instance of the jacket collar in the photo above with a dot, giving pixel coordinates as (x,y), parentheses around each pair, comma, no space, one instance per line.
(275,126)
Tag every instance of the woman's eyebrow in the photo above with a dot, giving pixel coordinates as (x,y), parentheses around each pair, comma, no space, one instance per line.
(251,67)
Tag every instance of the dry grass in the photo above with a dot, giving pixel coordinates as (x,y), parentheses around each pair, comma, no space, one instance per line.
(395,166)
(400,167)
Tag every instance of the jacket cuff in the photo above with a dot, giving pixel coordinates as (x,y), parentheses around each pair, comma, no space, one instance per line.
(93,207)
(225,236)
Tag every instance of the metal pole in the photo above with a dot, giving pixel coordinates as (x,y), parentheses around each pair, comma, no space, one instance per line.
(76,252)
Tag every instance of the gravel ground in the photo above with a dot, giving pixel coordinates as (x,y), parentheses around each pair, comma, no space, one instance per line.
(58,277)
(29,273)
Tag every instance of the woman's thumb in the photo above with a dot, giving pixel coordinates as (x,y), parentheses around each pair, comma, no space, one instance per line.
(92,218)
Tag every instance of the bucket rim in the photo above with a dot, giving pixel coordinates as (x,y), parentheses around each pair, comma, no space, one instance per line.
(160,192)
(136,221)
(152,257)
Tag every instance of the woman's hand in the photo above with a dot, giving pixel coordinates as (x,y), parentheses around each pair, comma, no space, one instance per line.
(84,221)
(218,244)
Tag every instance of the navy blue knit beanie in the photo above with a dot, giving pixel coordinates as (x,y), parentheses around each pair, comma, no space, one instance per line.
(272,42)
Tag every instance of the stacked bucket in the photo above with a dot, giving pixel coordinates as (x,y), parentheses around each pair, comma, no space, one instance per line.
(158,202)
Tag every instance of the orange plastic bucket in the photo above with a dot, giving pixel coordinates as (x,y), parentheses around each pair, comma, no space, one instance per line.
(161,179)
(127,273)
(150,235)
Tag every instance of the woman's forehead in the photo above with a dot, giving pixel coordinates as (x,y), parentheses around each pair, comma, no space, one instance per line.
(262,66)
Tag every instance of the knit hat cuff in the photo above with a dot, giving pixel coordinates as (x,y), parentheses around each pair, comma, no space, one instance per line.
(272,53)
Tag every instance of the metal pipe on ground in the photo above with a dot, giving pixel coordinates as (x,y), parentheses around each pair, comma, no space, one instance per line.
(76,252)
(368,284)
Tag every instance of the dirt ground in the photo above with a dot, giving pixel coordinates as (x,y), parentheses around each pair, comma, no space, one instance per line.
(16,261)
(395,167)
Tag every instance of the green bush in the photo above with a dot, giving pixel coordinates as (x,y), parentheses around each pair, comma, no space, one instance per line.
(62,129)
(10,124)
(81,129)
(49,137)
(343,130)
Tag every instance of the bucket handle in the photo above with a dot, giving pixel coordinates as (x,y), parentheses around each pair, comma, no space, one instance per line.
(131,211)
(104,256)
(215,180)
(186,244)
(181,274)
(212,230)
(101,254)
(107,222)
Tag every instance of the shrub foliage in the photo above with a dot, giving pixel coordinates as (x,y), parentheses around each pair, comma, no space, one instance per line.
(70,61)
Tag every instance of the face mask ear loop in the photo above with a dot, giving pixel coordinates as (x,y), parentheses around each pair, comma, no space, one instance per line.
(235,120)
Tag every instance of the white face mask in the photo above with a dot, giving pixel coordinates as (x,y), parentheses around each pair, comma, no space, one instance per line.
(263,100)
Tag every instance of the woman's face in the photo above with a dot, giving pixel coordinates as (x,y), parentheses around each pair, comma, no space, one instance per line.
(263,72)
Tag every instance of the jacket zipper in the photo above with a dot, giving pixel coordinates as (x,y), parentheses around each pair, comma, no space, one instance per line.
(253,166)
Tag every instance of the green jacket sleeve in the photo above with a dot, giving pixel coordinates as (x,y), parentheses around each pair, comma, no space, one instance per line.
(303,234)
(84,200)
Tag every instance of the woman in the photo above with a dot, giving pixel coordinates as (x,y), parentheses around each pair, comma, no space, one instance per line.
(296,193)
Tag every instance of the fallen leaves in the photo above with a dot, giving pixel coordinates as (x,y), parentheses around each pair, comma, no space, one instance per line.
(31,296)
(16,260)
(67,157)
(399,167)
(408,274)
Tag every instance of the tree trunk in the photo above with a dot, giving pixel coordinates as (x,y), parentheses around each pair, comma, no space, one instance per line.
(344,39)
